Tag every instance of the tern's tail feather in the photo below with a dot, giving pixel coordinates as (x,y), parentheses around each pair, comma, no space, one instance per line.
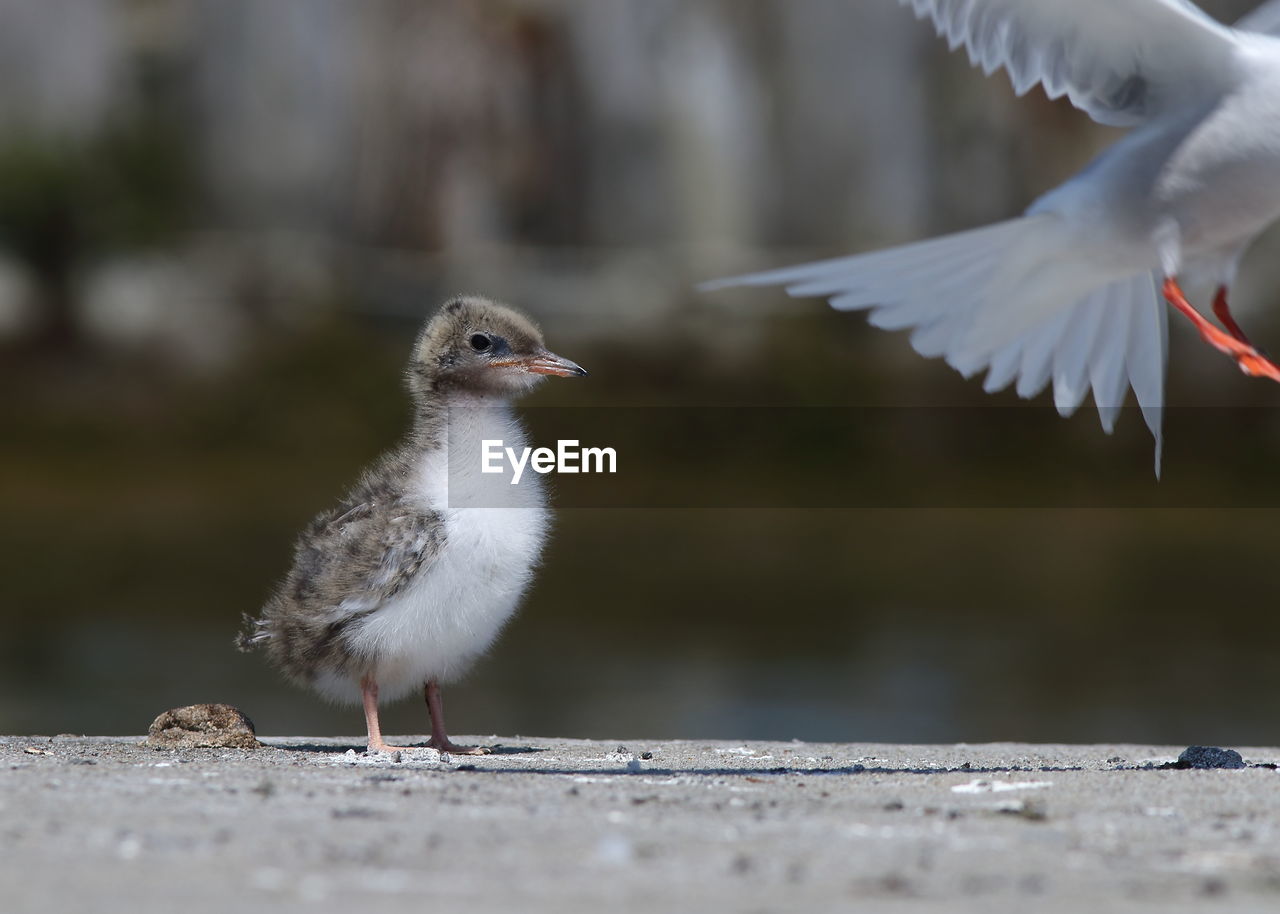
(1010,299)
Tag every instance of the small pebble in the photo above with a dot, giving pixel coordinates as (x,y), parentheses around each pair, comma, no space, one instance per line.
(1209,757)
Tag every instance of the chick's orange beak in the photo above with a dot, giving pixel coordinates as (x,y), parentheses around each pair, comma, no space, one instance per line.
(547,363)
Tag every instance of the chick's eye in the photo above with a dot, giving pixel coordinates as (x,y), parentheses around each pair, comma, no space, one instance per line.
(480,342)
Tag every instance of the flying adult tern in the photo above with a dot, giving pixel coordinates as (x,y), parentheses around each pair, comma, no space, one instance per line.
(1069,293)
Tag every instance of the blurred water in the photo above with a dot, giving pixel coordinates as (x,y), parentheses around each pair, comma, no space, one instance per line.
(902,676)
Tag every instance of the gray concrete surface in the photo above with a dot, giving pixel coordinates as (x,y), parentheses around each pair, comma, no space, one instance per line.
(104,825)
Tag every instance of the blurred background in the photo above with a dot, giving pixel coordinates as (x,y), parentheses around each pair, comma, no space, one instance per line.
(221,222)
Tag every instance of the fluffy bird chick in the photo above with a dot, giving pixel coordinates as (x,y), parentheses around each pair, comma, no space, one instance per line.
(408,580)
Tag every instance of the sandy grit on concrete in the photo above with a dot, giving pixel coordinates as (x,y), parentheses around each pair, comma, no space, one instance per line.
(104,825)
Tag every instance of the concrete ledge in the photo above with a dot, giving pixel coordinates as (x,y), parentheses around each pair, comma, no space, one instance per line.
(101,824)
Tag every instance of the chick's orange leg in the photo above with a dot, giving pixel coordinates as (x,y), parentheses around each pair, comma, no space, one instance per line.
(439,738)
(1250,361)
(369,695)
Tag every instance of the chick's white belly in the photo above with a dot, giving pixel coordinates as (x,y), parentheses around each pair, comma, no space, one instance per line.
(450,614)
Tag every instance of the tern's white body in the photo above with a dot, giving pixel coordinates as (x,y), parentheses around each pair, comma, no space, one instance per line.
(1197,184)
(1068,294)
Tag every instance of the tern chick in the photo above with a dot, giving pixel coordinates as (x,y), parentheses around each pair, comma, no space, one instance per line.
(402,585)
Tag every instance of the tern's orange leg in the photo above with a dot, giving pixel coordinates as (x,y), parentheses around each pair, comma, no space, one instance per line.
(1223,312)
(1251,361)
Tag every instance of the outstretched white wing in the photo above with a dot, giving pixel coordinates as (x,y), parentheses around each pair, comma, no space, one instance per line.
(1121,61)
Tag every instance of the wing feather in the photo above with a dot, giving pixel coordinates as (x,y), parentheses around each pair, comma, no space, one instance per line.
(351,560)
(1121,61)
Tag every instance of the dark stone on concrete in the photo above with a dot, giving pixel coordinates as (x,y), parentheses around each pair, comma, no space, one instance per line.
(1210,757)
(208,726)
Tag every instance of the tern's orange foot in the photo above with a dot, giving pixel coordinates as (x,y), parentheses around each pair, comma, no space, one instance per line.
(1250,360)
(1257,365)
